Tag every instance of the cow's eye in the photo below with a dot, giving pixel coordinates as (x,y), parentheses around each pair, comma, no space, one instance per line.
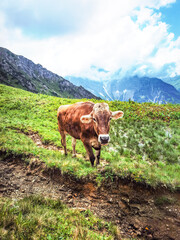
(110,118)
(94,119)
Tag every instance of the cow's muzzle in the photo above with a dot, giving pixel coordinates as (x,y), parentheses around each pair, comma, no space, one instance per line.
(103,139)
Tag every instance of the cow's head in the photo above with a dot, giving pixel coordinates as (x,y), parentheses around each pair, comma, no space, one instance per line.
(101,116)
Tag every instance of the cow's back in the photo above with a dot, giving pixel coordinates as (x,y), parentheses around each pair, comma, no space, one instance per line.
(69,118)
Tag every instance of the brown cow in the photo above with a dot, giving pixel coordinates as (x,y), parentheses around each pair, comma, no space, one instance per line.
(89,122)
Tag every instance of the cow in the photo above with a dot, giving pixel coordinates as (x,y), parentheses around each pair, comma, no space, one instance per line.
(88,122)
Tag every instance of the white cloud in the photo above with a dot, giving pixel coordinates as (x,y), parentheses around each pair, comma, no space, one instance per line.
(109,38)
(167,55)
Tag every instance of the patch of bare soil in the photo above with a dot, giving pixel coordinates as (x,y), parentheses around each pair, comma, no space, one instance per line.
(139,212)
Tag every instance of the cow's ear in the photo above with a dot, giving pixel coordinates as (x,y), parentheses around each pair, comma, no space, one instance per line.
(117,114)
(86,118)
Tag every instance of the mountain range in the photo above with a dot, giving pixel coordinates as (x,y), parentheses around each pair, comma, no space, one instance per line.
(139,89)
(18,71)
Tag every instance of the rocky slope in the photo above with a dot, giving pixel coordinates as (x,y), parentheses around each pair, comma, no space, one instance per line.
(18,71)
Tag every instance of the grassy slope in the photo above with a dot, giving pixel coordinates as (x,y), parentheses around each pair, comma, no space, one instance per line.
(145,144)
(36,217)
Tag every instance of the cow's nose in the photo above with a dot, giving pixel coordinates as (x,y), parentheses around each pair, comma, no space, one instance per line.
(104,138)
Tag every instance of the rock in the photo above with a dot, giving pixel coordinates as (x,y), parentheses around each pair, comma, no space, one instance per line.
(110,200)
(42,178)
(70,201)
(136,224)
(149,236)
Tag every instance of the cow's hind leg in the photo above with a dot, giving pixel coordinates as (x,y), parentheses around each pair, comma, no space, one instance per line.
(74,147)
(63,141)
(98,152)
(90,153)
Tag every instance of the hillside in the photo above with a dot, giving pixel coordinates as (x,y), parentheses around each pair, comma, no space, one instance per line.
(131,187)
(18,71)
(155,128)
(139,89)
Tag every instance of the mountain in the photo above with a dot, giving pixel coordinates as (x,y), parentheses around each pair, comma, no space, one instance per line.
(175,81)
(144,89)
(95,87)
(140,89)
(18,71)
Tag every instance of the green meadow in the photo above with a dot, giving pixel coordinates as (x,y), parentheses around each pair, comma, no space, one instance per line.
(144,146)
(35,217)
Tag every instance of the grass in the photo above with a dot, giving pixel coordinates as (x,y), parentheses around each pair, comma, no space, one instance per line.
(164,201)
(145,144)
(36,217)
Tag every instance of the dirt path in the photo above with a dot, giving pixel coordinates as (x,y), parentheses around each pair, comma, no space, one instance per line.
(139,212)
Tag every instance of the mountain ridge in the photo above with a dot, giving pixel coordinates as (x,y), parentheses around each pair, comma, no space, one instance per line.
(140,89)
(19,71)
(175,81)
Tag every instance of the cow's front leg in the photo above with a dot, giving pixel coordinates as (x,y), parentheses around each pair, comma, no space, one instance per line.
(95,144)
(90,153)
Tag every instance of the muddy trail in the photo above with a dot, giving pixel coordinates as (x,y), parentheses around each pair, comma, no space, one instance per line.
(138,211)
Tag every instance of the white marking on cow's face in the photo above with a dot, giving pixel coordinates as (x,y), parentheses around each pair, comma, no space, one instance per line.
(103,139)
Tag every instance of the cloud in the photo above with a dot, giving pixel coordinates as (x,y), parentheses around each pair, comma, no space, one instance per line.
(127,35)
(44,18)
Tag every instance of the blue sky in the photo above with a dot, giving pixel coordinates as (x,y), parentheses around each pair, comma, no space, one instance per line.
(98,39)
(171,15)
